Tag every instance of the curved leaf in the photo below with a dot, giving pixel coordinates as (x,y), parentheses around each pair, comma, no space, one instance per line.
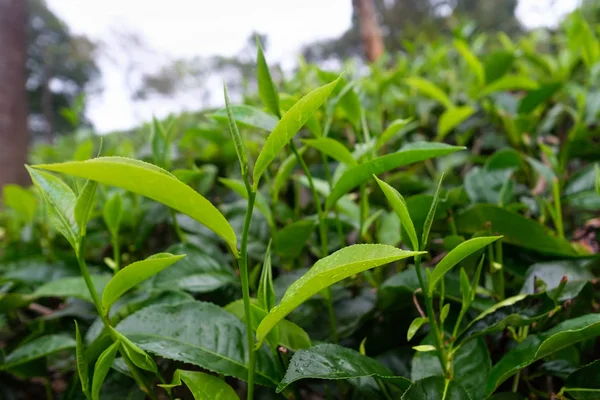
(515,229)
(85,205)
(584,383)
(429,89)
(266,290)
(112,213)
(537,97)
(333,149)
(102,367)
(354,176)
(203,386)
(82,364)
(472,61)
(290,240)
(541,345)
(37,348)
(72,287)
(331,361)
(153,182)
(235,134)
(134,274)
(266,88)
(283,173)
(451,118)
(399,206)
(327,271)
(288,126)
(219,345)
(456,255)
(247,116)
(509,82)
(261,203)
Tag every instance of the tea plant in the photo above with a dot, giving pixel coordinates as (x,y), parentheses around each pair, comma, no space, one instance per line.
(341,253)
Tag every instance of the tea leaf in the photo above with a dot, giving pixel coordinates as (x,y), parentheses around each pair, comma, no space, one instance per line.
(354,176)
(72,287)
(266,88)
(436,387)
(538,346)
(61,204)
(472,61)
(153,182)
(515,229)
(261,202)
(429,89)
(456,255)
(266,292)
(113,212)
(85,205)
(291,239)
(284,172)
(509,82)
(139,357)
(399,205)
(431,214)
(235,134)
(333,149)
(288,126)
(451,118)
(537,97)
(327,271)
(37,348)
(173,332)
(424,348)
(82,364)
(202,386)
(414,327)
(134,274)
(102,367)
(584,383)
(333,362)
(21,200)
(247,116)
(398,126)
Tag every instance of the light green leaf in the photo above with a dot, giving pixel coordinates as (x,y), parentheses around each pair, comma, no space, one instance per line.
(416,152)
(284,172)
(425,348)
(327,271)
(85,205)
(542,345)
(472,61)
(456,255)
(102,367)
(333,362)
(134,274)
(399,205)
(174,332)
(429,89)
(235,134)
(21,200)
(288,126)
(509,82)
(203,386)
(37,348)
(248,116)
(61,204)
(266,88)
(414,327)
(137,355)
(153,182)
(402,126)
(266,291)
(333,149)
(431,214)
(451,118)
(82,364)
(113,213)
(72,287)
(261,202)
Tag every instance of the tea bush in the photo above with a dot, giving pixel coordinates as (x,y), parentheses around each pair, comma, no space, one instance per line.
(424,229)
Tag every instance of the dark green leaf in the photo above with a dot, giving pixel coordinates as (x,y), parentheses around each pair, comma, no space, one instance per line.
(537,97)
(584,384)
(291,240)
(435,388)
(72,287)
(82,364)
(37,348)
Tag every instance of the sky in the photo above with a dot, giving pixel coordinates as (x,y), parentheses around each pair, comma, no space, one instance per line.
(187,28)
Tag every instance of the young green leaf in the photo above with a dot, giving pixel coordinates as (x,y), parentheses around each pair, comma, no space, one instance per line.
(21,200)
(138,356)
(416,152)
(266,291)
(330,361)
(72,286)
(235,134)
(509,82)
(161,145)
(430,89)
(247,116)
(399,126)
(61,204)
(431,214)
(266,88)
(456,255)
(153,182)
(288,126)
(290,240)
(597,182)
(82,364)
(451,118)
(102,367)
(85,205)
(134,274)
(415,326)
(465,288)
(202,386)
(472,61)
(261,202)
(399,205)
(537,97)
(444,313)
(327,271)
(333,149)
(424,348)
(284,172)
(113,212)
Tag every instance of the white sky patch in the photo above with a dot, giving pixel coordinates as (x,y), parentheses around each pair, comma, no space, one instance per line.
(188,28)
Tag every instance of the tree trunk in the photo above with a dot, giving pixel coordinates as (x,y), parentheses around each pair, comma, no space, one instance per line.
(370,33)
(14,134)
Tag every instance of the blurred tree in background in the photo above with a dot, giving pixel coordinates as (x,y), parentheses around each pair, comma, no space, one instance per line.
(60,67)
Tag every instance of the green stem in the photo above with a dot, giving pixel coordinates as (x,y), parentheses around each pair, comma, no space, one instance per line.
(116,252)
(322,234)
(246,287)
(441,350)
